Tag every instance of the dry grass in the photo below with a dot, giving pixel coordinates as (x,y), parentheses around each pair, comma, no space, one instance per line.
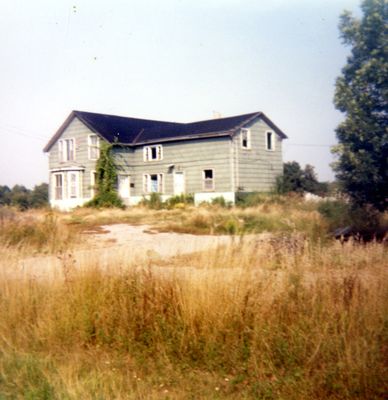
(290,217)
(266,320)
(36,231)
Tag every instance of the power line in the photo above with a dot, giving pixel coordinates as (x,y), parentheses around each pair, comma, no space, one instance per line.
(7,132)
(13,128)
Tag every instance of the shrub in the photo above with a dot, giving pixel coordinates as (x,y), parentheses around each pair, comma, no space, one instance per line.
(154,202)
(221,202)
(179,199)
(107,199)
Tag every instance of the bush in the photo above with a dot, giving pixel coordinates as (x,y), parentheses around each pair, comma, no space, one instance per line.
(220,201)
(154,202)
(107,199)
(337,213)
(180,199)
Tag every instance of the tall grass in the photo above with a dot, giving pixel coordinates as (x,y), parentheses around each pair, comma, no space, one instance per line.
(254,320)
(35,231)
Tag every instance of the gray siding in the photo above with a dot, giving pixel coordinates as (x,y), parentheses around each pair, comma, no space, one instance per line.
(234,168)
(256,168)
(190,157)
(80,132)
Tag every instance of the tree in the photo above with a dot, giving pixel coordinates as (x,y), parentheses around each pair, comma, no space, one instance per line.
(39,195)
(5,198)
(296,179)
(361,93)
(20,197)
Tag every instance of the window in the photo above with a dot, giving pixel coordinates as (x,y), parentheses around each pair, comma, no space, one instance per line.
(58,186)
(269,140)
(208,179)
(66,150)
(245,138)
(153,183)
(94,147)
(153,153)
(73,185)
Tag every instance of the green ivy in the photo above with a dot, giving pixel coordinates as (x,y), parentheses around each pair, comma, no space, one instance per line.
(106,194)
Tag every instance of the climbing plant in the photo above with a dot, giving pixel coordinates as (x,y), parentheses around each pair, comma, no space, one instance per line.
(106,194)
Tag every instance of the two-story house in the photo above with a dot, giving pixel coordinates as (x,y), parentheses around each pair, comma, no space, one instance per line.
(209,159)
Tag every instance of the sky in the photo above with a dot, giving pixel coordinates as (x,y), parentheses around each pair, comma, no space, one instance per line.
(173,60)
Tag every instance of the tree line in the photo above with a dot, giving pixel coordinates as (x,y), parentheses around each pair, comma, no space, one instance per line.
(21,197)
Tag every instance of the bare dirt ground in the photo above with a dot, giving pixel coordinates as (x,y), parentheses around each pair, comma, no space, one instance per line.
(122,244)
(119,247)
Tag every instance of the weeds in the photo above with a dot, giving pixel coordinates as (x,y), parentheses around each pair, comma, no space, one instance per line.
(255,320)
(35,231)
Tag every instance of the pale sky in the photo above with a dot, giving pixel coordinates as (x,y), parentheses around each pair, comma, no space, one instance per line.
(174,60)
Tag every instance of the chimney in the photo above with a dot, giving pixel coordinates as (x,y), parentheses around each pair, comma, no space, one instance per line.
(216,115)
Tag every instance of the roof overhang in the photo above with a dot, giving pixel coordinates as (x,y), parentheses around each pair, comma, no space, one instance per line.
(262,116)
(71,168)
(62,128)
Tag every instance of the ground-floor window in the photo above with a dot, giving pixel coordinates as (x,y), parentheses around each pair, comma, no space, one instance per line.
(73,184)
(153,183)
(66,185)
(58,186)
(208,179)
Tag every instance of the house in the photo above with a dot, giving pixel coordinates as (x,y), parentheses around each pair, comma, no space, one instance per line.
(209,159)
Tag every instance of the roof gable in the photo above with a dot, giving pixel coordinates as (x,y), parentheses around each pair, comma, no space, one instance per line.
(133,131)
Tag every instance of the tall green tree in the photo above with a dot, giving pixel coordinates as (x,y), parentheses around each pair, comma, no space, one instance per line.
(296,179)
(362,93)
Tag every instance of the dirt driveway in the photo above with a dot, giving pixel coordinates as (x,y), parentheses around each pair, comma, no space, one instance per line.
(112,245)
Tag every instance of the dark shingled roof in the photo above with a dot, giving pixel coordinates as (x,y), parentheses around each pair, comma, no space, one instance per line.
(132,131)
(121,129)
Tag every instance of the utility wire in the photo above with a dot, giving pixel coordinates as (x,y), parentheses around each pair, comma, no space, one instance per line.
(7,126)
(7,132)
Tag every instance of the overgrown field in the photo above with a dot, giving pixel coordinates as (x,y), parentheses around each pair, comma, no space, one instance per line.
(289,318)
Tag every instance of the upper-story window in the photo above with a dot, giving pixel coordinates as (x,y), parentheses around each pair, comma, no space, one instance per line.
(245,138)
(153,153)
(269,140)
(66,150)
(93,147)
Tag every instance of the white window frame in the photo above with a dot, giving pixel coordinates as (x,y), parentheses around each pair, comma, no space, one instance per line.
(204,180)
(63,147)
(92,148)
(147,153)
(248,136)
(273,137)
(55,187)
(71,187)
(147,183)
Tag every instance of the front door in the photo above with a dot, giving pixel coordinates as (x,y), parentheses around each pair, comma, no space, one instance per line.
(124,186)
(179,183)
